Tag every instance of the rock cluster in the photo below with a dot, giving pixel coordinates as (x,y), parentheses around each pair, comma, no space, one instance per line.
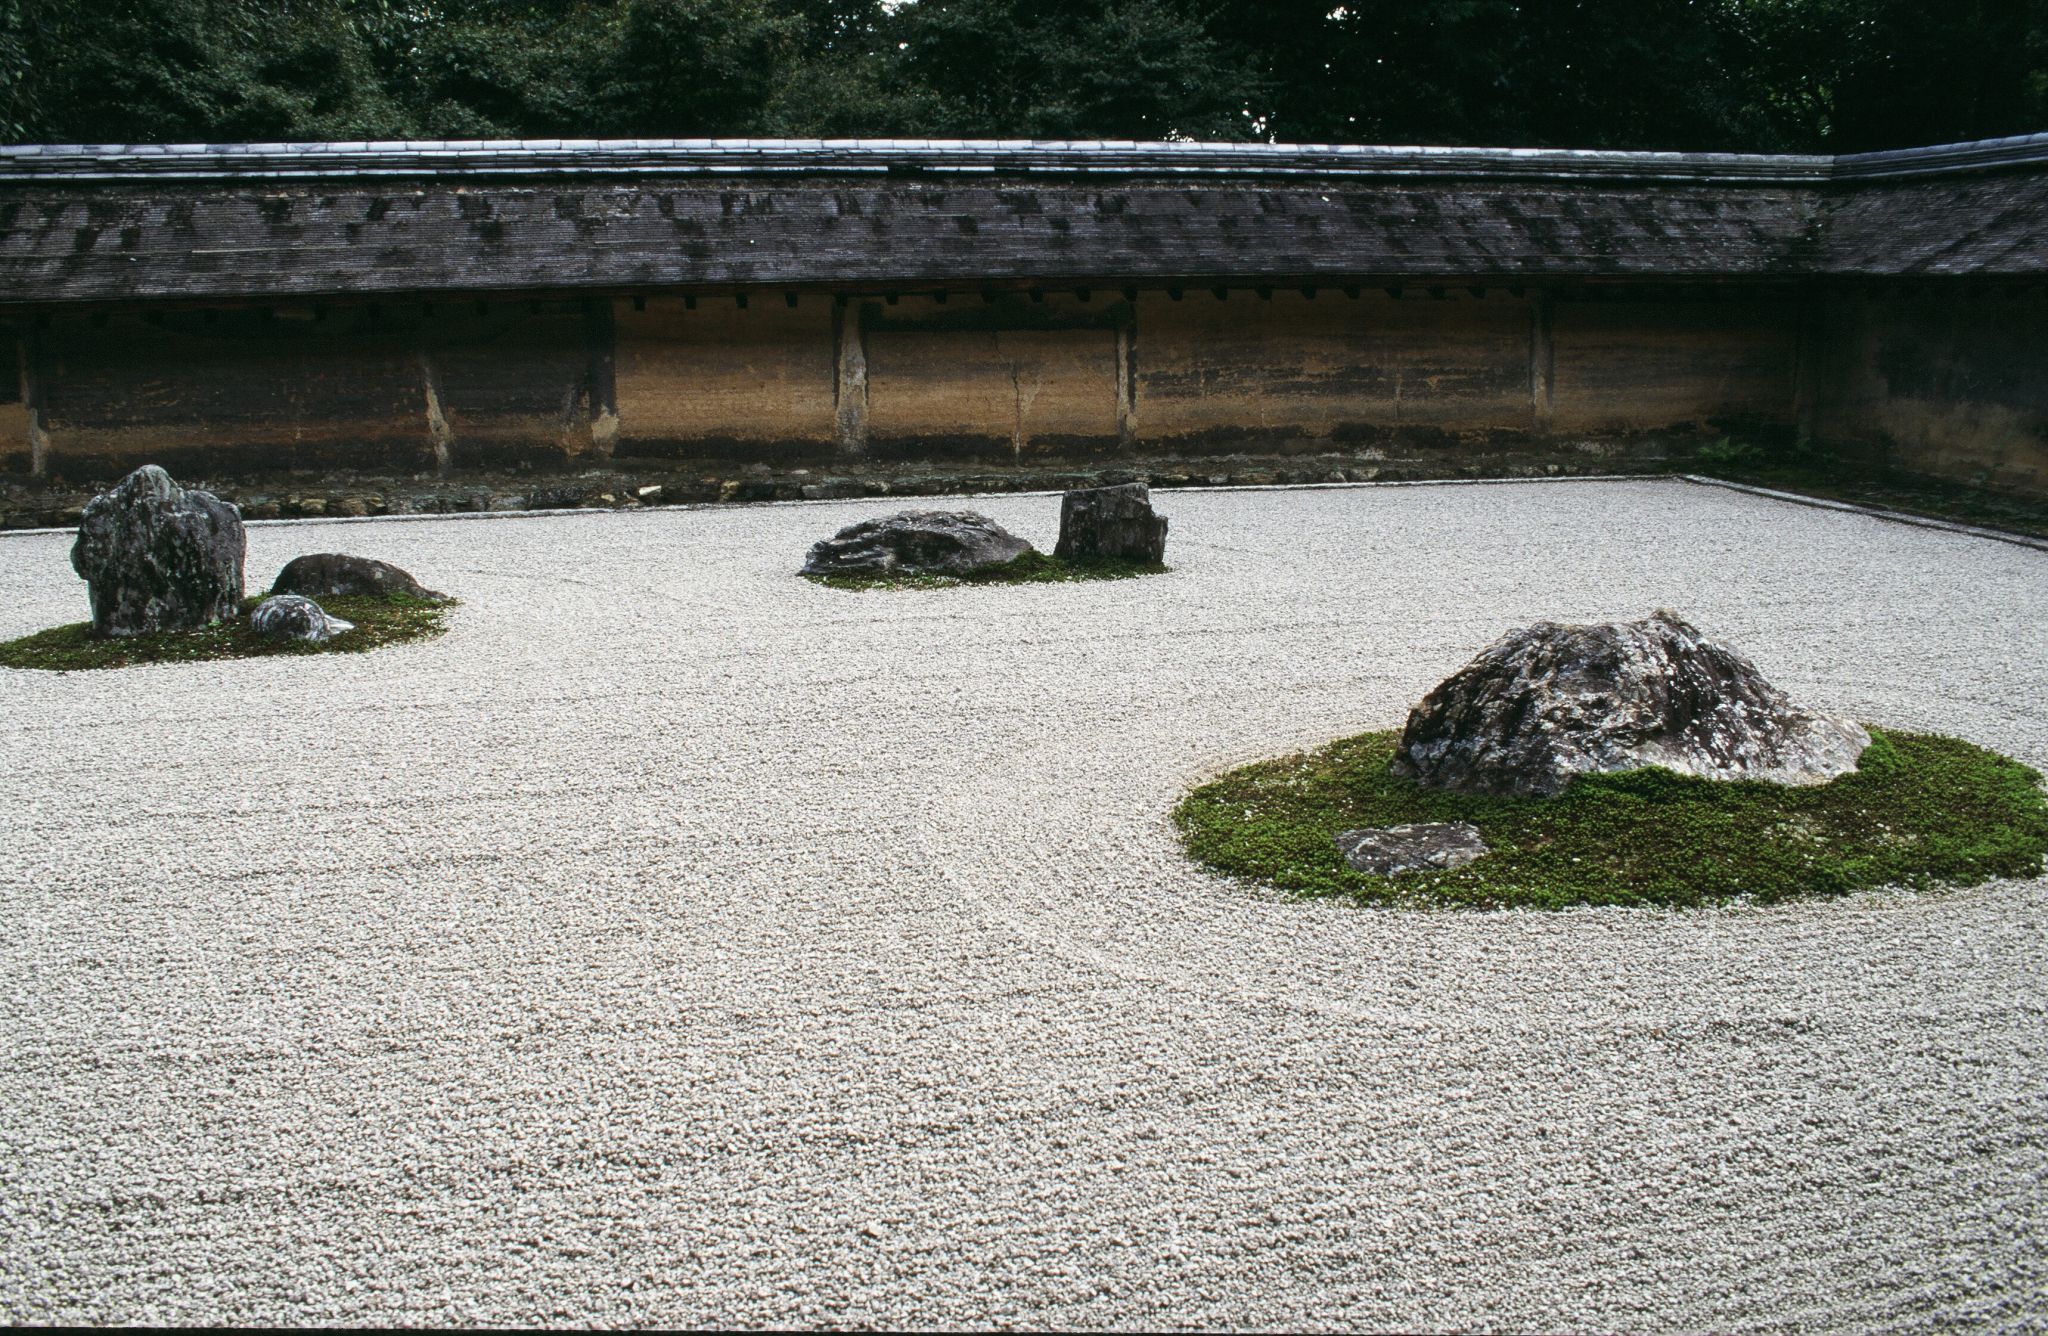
(1388,851)
(294,617)
(333,575)
(157,557)
(917,542)
(1111,523)
(1546,704)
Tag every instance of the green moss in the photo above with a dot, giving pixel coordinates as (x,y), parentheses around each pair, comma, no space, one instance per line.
(1031,568)
(1920,811)
(378,622)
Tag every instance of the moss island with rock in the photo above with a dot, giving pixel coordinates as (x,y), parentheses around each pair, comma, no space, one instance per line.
(1106,533)
(1633,764)
(163,566)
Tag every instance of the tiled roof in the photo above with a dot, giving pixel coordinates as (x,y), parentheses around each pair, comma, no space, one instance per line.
(106,223)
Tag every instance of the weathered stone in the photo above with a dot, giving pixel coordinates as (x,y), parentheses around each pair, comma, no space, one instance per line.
(917,542)
(157,557)
(1111,523)
(293,617)
(1388,851)
(1546,704)
(334,575)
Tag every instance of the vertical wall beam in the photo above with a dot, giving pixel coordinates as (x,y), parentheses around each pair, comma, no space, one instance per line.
(1127,379)
(849,380)
(438,432)
(1542,359)
(30,359)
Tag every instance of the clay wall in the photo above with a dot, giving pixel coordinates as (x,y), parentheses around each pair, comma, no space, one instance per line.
(1950,384)
(1476,378)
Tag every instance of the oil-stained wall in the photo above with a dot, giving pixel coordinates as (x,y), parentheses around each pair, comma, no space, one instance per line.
(1935,383)
(511,382)
(1708,361)
(1334,367)
(1949,384)
(226,391)
(1005,379)
(710,377)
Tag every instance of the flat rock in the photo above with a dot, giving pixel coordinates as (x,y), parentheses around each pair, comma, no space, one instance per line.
(334,575)
(159,557)
(1548,703)
(295,617)
(917,542)
(1388,851)
(1111,523)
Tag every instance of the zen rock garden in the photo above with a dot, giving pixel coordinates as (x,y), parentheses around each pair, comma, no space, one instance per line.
(163,566)
(1105,532)
(1626,762)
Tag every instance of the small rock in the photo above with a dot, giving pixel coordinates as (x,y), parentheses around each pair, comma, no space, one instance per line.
(917,542)
(1546,704)
(352,507)
(1111,523)
(293,617)
(1389,851)
(334,575)
(832,489)
(157,557)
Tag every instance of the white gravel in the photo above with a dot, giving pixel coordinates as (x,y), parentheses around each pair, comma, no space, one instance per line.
(678,942)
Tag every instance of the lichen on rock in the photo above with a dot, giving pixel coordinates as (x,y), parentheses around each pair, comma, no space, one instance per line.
(917,542)
(1548,703)
(295,617)
(159,557)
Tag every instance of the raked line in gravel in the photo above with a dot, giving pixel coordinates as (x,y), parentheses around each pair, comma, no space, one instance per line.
(676,941)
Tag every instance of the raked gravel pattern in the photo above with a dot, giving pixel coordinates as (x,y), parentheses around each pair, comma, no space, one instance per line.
(678,942)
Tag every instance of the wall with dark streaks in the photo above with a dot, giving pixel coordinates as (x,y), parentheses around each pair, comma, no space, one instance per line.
(1948,384)
(1462,379)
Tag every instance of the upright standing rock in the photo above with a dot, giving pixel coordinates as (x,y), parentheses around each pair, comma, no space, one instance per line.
(157,557)
(1111,523)
(1546,704)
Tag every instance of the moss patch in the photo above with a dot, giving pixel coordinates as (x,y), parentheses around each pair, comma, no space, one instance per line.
(1031,568)
(1920,811)
(379,622)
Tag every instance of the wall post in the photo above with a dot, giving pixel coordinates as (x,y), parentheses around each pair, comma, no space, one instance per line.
(849,380)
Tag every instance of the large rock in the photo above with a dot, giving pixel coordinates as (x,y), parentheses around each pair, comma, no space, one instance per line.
(917,542)
(1543,705)
(157,557)
(294,617)
(333,575)
(1111,523)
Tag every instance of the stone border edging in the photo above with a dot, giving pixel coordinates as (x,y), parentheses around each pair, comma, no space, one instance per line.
(1875,512)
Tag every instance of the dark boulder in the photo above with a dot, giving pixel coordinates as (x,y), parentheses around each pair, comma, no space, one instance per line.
(917,542)
(1545,704)
(157,557)
(293,617)
(1388,851)
(1111,523)
(333,575)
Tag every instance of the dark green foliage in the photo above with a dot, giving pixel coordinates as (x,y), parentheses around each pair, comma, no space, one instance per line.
(1920,811)
(1822,75)
(379,622)
(1031,568)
